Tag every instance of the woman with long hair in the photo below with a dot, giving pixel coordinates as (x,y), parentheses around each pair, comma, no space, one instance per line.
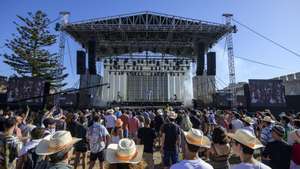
(117,132)
(220,149)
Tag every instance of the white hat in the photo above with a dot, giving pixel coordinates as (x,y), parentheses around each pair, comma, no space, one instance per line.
(196,137)
(110,111)
(268,119)
(117,108)
(246,138)
(124,152)
(172,115)
(282,114)
(160,111)
(57,142)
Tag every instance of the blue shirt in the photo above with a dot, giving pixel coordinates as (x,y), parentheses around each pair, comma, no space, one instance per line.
(97,137)
(192,164)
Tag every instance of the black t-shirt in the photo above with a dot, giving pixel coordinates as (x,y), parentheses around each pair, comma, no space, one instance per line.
(78,130)
(195,121)
(172,132)
(280,154)
(147,136)
(158,121)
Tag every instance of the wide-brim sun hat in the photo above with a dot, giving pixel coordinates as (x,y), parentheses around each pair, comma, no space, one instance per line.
(246,138)
(172,115)
(55,143)
(126,151)
(197,138)
(268,119)
(248,120)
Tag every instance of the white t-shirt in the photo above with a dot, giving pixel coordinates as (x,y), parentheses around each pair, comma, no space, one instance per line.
(237,124)
(257,165)
(110,121)
(192,164)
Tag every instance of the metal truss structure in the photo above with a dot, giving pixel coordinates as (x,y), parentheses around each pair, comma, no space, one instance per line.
(146,31)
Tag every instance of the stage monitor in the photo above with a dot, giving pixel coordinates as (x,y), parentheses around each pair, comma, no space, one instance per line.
(21,88)
(266,93)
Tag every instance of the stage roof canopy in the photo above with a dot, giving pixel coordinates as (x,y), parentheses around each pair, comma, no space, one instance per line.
(146,31)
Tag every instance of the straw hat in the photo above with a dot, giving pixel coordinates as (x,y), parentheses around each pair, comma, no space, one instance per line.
(172,115)
(196,137)
(110,111)
(268,119)
(124,152)
(119,123)
(55,143)
(248,120)
(246,138)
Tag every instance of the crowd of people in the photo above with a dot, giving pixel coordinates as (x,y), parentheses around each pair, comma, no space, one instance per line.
(117,138)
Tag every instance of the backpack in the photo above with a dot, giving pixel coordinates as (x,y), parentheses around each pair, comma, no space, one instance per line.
(296,151)
(43,164)
(32,159)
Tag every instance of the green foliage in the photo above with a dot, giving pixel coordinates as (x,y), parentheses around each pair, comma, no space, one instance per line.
(29,48)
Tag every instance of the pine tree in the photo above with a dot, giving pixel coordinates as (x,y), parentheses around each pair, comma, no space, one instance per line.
(30,55)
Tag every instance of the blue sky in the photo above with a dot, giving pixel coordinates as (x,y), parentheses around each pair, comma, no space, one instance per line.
(276,19)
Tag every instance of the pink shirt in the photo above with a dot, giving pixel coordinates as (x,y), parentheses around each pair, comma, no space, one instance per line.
(133,125)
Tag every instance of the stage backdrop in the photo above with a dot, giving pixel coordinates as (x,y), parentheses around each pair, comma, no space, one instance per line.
(266,93)
(25,87)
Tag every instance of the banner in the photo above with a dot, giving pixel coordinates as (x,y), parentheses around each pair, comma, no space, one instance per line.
(20,88)
(268,93)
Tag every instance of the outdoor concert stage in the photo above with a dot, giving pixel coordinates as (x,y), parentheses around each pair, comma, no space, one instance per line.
(146,57)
